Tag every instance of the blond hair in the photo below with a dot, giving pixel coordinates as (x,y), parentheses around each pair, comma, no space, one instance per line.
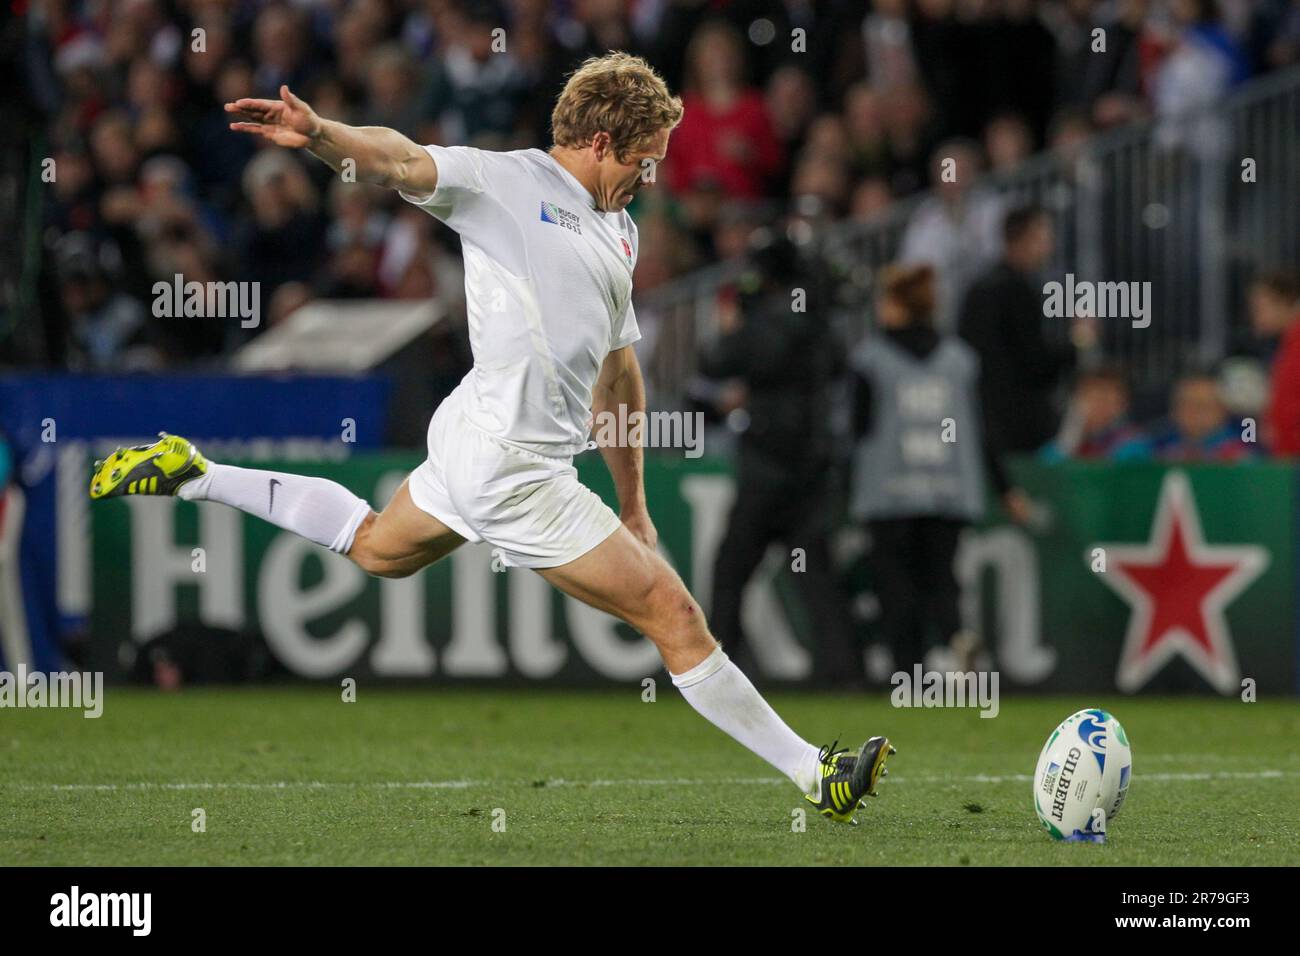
(912,287)
(618,94)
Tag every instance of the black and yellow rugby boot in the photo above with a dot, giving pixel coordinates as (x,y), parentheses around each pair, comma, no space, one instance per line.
(847,778)
(157,469)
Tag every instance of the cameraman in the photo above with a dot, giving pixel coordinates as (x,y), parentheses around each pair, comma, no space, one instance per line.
(777,342)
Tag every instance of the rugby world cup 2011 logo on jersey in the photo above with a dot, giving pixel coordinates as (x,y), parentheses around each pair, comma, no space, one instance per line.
(561,217)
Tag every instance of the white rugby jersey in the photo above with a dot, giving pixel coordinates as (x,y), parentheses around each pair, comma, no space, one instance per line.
(548,289)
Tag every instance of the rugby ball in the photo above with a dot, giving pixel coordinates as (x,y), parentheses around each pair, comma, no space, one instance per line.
(1084,767)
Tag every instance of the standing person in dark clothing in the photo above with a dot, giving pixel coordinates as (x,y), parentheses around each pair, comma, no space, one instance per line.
(787,359)
(1002,319)
(918,476)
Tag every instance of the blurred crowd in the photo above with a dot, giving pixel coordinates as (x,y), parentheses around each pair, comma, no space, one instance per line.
(837,108)
(937,416)
(1245,407)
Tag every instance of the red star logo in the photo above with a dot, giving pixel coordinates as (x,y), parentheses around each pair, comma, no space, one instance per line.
(1178,587)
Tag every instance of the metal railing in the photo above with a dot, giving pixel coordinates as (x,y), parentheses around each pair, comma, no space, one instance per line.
(1195,208)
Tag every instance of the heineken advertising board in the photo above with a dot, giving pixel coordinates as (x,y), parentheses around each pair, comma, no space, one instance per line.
(1139,578)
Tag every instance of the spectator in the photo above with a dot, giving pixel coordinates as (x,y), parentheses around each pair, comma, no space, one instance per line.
(107,328)
(1198,428)
(1002,319)
(791,104)
(725,136)
(1097,425)
(956,229)
(285,240)
(280,36)
(887,39)
(1120,66)
(1274,309)
(868,141)
(942,50)
(909,120)
(1071,23)
(820,186)
(357,36)
(112,144)
(217,158)
(355,237)
(1016,44)
(1280,39)
(1068,134)
(871,198)
(1008,142)
(1272,300)
(393,89)
(1204,64)
(476,89)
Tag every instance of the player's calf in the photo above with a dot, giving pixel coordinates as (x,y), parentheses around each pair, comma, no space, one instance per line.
(625,578)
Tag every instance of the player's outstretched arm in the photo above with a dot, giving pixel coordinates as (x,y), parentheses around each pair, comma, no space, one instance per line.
(382,156)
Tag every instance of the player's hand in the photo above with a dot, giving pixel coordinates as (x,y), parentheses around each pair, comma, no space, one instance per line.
(287,121)
(642,528)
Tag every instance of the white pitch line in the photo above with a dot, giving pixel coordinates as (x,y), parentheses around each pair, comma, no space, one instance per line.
(627,782)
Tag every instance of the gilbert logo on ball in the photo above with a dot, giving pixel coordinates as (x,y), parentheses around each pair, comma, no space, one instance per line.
(1082,777)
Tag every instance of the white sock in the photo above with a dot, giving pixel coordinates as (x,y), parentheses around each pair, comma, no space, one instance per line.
(318,509)
(723,695)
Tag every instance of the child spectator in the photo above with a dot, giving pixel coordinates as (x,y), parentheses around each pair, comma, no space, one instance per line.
(1097,425)
(1199,428)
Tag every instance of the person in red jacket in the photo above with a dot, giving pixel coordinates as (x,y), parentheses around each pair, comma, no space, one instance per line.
(726,140)
(1274,308)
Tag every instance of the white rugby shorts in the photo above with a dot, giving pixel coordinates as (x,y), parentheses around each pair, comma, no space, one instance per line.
(530,508)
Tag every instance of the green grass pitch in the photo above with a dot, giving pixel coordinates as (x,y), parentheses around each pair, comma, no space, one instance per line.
(420,776)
